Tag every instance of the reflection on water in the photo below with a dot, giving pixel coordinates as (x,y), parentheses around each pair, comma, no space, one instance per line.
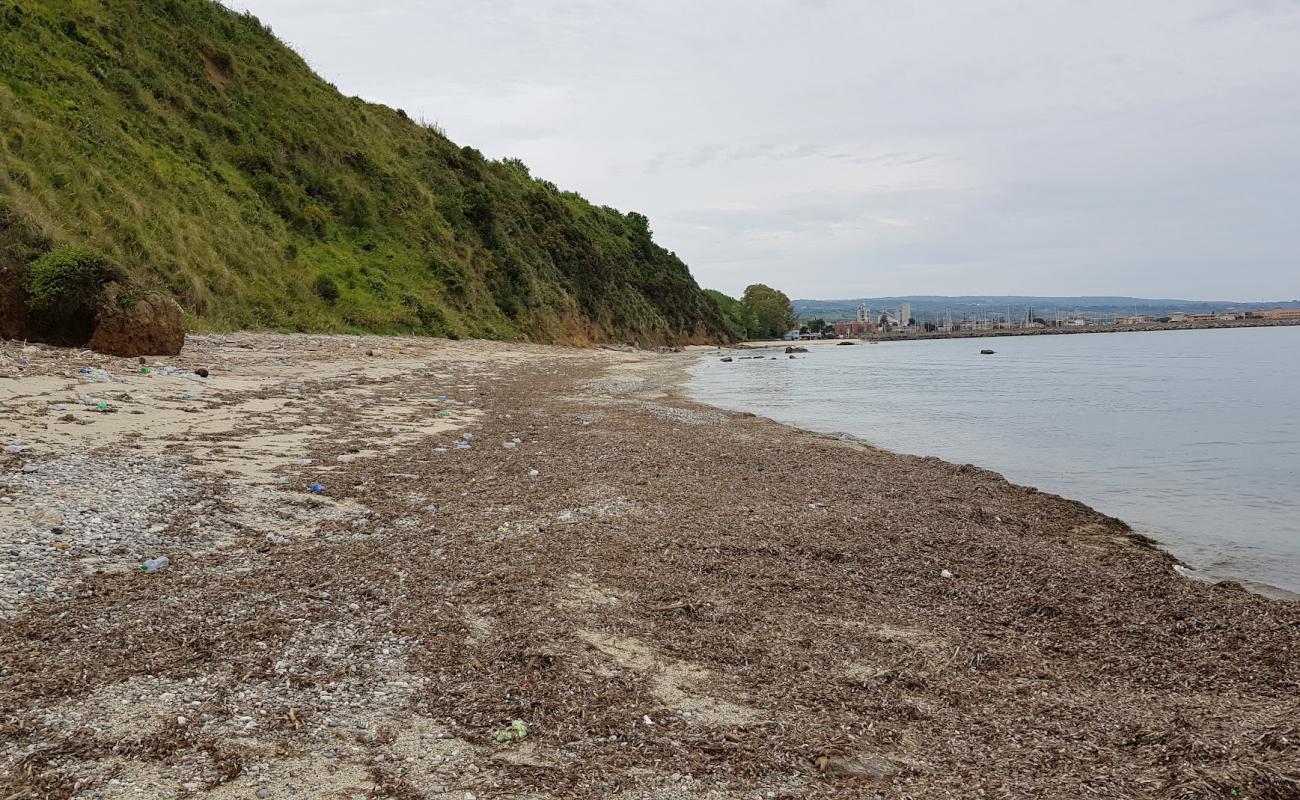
(1192,437)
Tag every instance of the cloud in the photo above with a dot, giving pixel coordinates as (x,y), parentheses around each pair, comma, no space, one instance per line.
(840,148)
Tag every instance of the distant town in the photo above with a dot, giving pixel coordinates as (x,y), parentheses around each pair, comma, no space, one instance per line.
(901,323)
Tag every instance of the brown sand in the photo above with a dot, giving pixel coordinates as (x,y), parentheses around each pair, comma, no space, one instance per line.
(682,602)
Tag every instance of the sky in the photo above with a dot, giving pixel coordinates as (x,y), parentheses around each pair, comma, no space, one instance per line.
(846,148)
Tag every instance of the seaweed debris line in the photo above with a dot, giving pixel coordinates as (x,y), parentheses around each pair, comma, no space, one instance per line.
(642,597)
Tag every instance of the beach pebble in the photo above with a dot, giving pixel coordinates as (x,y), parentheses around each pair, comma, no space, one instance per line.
(47,518)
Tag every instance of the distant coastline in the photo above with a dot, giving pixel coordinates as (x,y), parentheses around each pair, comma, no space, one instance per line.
(997,332)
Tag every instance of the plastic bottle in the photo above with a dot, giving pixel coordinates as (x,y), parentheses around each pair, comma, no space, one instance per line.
(156,564)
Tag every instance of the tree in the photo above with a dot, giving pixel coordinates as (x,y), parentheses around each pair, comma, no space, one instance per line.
(884,322)
(930,327)
(738,318)
(816,325)
(772,311)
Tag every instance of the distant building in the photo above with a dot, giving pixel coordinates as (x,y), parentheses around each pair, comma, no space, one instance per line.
(854,329)
(905,315)
(864,313)
(1274,313)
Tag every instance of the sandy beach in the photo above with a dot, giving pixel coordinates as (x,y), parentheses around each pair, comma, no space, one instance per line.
(542,572)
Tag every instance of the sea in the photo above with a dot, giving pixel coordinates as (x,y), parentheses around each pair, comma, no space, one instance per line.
(1192,437)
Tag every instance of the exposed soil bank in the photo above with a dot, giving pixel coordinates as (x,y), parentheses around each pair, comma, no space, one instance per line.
(678,601)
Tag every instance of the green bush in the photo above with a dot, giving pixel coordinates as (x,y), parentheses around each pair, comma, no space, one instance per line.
(68,279)
(327,289)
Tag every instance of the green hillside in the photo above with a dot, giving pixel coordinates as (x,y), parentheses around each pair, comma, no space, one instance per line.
(191,147)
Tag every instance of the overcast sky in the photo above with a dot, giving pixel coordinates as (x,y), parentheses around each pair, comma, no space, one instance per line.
(843,148)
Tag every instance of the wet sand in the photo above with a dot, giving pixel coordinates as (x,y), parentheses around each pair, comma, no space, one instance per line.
(676,600)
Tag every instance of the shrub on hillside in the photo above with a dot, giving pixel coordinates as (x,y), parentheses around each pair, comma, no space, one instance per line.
(68,279)
(327,289)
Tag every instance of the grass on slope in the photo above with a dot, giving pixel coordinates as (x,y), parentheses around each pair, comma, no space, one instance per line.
(197,151)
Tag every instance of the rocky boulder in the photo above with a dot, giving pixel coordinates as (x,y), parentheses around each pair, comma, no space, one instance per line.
(127,324)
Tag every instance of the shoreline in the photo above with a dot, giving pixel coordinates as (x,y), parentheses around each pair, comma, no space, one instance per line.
(1150,537)
(671,604)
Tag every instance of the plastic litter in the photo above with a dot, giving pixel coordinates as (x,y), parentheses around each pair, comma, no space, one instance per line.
(510,445)
(442,398)
(516,732)
(317,488)
(156,564)
(98,375)
(144,370)
(946,574)
(532,473)
(282,480)
(344,458)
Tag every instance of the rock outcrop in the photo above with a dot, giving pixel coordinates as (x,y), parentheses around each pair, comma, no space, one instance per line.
(148,325)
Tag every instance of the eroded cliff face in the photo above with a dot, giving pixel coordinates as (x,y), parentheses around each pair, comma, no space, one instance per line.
(13,311)
(151,325)
(122,323)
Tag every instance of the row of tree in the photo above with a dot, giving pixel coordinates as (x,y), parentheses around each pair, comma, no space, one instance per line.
(761,313)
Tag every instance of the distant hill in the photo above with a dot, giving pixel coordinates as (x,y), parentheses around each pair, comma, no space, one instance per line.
(192,147)
(935,306)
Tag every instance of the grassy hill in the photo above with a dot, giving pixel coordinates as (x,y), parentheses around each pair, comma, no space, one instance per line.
(190,146)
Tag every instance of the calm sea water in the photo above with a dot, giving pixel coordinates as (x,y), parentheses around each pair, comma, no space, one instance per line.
(1192,437)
